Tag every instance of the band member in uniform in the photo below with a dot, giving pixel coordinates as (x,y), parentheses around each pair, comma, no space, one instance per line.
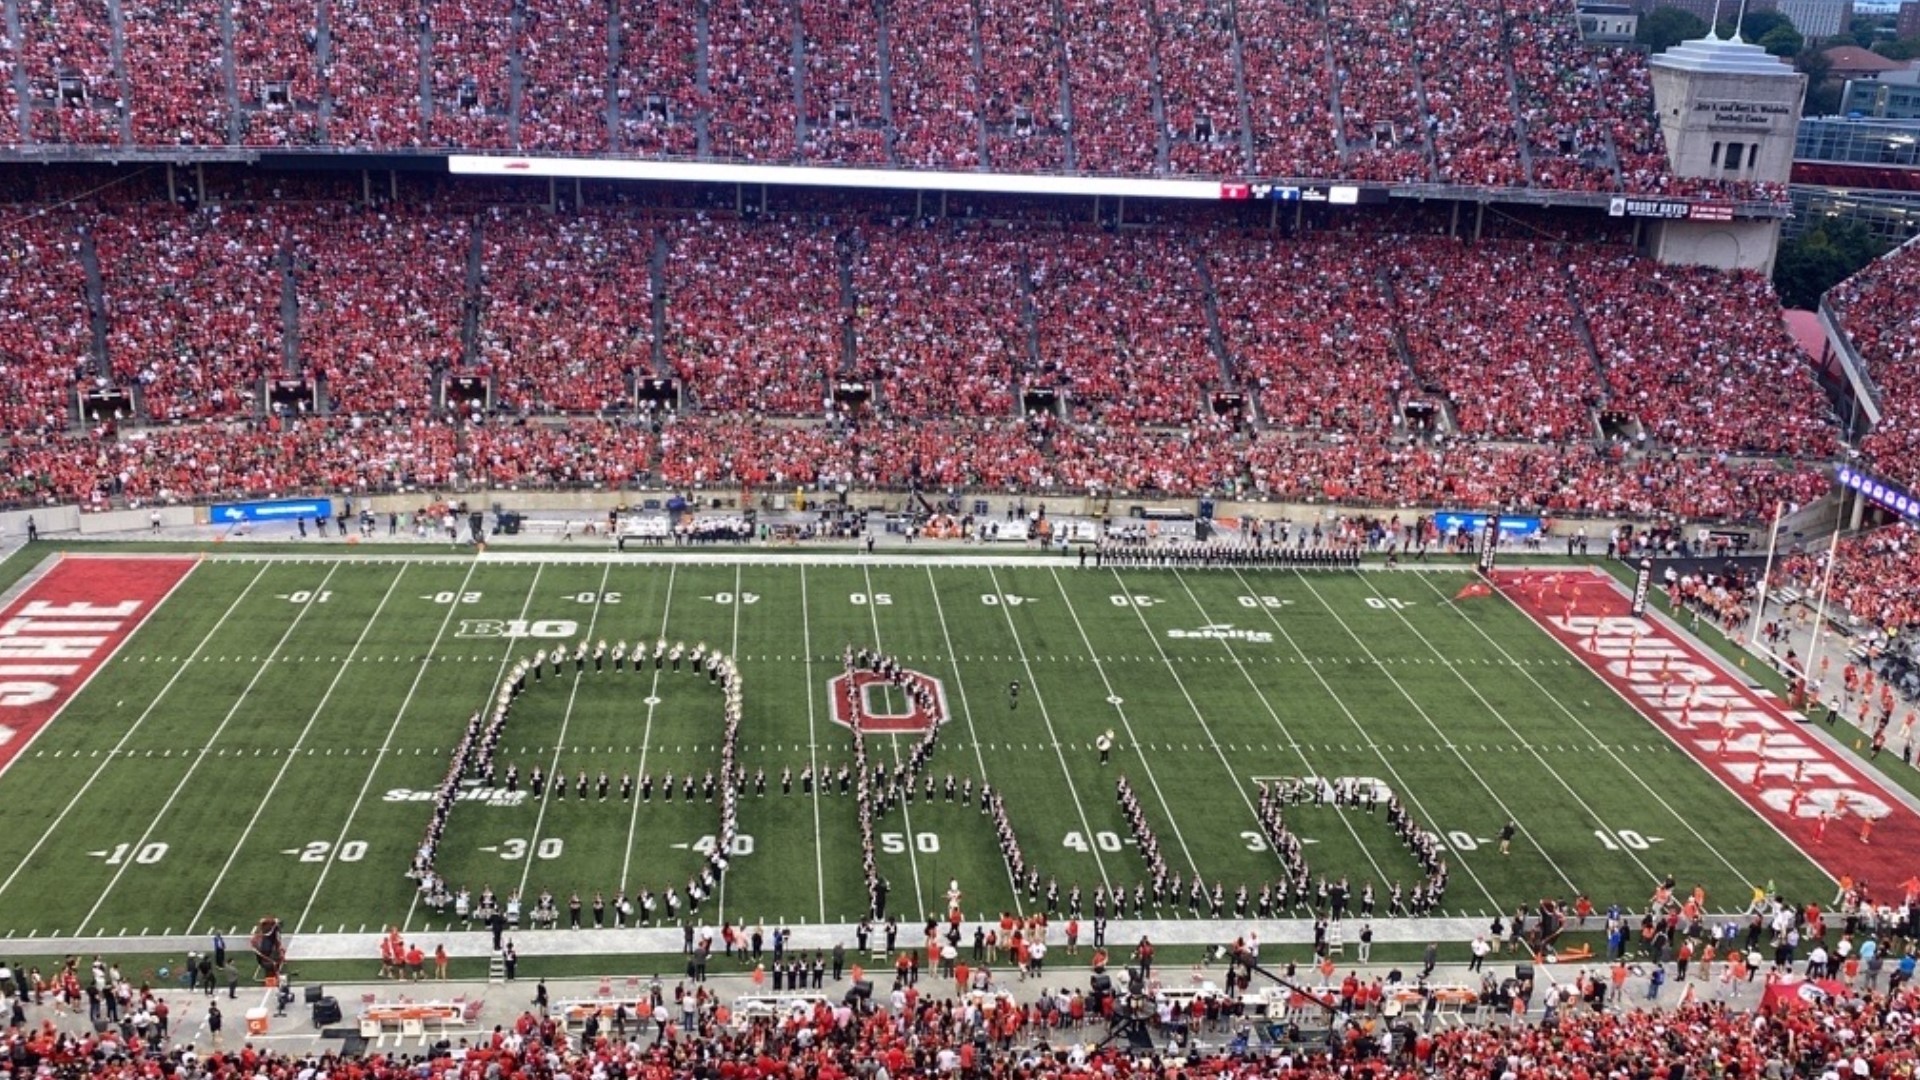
(1104,744)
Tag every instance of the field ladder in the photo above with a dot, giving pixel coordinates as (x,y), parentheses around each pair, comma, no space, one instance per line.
(1336,941)
(496,968)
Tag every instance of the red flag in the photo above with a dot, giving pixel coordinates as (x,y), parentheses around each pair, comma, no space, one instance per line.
(1473,589)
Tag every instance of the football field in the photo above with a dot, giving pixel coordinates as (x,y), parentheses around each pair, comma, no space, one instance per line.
(268,739)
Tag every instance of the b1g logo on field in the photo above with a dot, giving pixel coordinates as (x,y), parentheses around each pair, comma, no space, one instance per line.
(913,703)
(518,628)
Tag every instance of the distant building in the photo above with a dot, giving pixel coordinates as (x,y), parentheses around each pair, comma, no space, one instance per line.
(1607,22)
(1907,24)
(1863,171)
(1894,95)
(1704,9)
(1818,18)
(1854,62)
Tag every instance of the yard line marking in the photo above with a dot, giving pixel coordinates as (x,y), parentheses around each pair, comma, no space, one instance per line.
(194,765)
(120,747)
(960,687)
(1047,718)
(566,717)
(906,817)
(318,707)
(646,732)
(1226,645)
(813,752)
(1400,785)
(1492,793)
(1600,744)
(387,744)
(1113,698)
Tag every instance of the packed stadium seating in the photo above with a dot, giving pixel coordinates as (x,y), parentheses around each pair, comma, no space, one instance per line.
(924,1032)
(193,305)
(44,346)
(1458,92)
(563,322)
(1381,367)
(1695,390)
(380,302)
(752,315)
(1879,310)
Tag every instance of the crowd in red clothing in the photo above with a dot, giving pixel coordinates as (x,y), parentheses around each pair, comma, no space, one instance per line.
(1879,310)
(276,73)
(939,321)
(924,1031)
(841,80)
(43,320)
(753,315)
(563,322)
(565,105)
(1351,348)
(654,86)
(1456,92)
(1701,390)
(193,307)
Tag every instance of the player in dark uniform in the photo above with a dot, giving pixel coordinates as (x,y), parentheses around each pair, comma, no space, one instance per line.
(1013,695)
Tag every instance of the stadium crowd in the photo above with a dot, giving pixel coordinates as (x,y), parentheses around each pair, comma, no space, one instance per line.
(1456,92)
(1876,309)
(1877,574)
(939,1025)
(1388,376)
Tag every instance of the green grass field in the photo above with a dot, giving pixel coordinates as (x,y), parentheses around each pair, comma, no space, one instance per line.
(248,751)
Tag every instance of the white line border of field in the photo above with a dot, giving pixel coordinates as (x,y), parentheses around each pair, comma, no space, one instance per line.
(193,766)
(114,754)
(373,770)
(1708,655)
(25,585)
(1716,850)
(292,754)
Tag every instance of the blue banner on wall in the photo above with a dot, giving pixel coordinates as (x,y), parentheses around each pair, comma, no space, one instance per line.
(276,510)
(1513,528)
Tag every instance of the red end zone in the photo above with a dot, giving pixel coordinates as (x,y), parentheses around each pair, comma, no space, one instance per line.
(1743,737)
(56,635)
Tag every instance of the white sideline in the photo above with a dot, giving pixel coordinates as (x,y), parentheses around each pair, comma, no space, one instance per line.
(426,660)
(287,761)
(114,754)
(1400,786)
(266,665)
(1252,684)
